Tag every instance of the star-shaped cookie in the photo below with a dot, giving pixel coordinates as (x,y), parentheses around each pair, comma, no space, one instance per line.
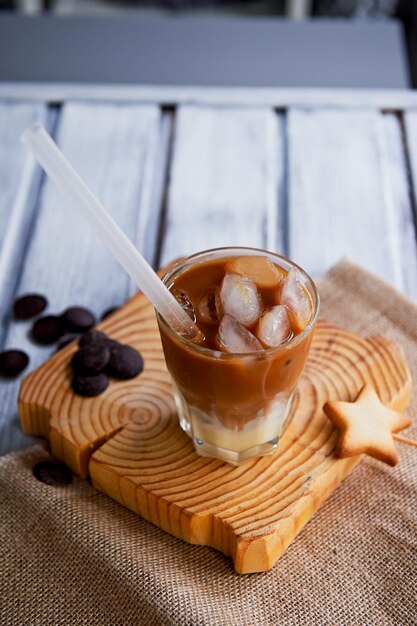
(366,426)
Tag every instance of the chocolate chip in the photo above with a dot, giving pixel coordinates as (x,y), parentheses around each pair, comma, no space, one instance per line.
(97,338)
(90,360)
(125,362)
(52,473)
(89,386)
(12,363)
(64,343)
(28,306)
(78,320)
(109,312)
(93,337)
(48,329)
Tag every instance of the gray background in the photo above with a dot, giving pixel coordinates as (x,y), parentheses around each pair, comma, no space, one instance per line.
(218,51)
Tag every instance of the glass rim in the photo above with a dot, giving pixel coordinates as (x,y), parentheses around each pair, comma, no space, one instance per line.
(218,354)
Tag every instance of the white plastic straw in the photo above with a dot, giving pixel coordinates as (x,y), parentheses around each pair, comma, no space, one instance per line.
(71,184)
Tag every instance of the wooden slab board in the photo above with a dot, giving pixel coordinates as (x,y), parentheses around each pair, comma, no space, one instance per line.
(130,444)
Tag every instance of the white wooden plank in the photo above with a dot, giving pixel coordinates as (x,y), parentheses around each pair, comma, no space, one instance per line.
(20,179)
(402,235)
(348,194)
(279,97)
(410,127)
(14,118)
(113,148)
(226,180)
(149,223)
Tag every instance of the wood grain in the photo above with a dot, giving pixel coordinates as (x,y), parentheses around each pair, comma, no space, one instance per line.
(227,180)
(348,194)
(131,445)
(115,149)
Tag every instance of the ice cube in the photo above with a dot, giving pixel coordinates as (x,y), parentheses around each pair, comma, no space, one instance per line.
(294,295)
(233,337)
(182,298)
(209,308)
(274,326)
(240,299)
(260,269)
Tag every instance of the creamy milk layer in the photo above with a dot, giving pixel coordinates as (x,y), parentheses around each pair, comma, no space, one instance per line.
(208,429)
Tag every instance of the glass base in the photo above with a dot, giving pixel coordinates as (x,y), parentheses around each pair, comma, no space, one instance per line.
(212,439)
(235,458)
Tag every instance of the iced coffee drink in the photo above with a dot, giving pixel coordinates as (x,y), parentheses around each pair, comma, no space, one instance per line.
(256,312)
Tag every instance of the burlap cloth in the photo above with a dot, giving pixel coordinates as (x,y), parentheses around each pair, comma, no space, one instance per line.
(71,555)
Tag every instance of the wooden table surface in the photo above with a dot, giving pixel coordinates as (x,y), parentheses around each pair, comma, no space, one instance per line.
(314,183)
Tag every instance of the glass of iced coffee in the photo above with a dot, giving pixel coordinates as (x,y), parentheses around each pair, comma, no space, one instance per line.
(233,387)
